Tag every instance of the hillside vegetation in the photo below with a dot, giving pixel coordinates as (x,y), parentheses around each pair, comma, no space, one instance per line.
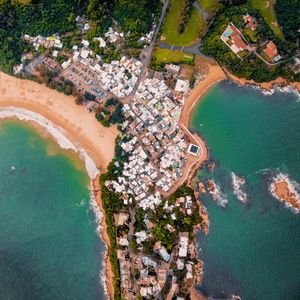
(267,10)
(45,17)
(251,67)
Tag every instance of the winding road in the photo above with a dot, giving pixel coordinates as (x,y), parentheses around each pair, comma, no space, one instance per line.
(148,50)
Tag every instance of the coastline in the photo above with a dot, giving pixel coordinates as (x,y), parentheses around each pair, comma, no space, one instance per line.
(280,82)
(108,275)
(74,122)
(214,75)
(73,128)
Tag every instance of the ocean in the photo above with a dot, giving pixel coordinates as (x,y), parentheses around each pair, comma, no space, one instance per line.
(252,249)
(49,246)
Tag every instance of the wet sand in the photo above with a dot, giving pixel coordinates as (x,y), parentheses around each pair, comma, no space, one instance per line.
(78,125)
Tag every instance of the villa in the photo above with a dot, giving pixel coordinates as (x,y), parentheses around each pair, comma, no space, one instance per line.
(233,38)
(272,52)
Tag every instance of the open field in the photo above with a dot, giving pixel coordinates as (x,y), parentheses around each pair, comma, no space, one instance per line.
(267,10)
(167,56)
(170,33)
(208,5)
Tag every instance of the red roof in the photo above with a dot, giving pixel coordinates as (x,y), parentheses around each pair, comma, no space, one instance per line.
(250,22)
(271,50)
(238,41)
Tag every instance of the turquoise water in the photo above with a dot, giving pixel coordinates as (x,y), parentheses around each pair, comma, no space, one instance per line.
(252,250)
(49,248)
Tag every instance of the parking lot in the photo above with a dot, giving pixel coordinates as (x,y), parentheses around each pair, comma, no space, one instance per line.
(86,80)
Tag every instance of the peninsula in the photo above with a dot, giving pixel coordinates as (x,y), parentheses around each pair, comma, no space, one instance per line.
(120,79)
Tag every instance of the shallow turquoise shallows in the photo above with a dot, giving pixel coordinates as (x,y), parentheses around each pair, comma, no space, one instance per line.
(252,250)
(49,248)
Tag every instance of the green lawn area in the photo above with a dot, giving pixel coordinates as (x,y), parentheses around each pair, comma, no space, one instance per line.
(269,14)
(168,56)
(170,33)
(208,4)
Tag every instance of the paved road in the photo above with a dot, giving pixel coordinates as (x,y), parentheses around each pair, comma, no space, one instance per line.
(194,49)
(277,63)
(149,49)
(203,12)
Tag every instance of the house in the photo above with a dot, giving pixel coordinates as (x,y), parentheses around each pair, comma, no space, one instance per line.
(233,38)
(183,244)
(149,262)
(162,251)
(251,22)
(182,86)
(271,51)
(66,64)
(173,69)
(296,65)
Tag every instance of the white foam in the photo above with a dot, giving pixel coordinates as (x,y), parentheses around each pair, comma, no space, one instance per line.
(278,89)
(237,184)
(59,135)
(269,92)
(218,195)
(293,187)
(57,132)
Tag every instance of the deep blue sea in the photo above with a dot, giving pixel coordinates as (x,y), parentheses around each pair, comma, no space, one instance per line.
(252,250)
(49,247)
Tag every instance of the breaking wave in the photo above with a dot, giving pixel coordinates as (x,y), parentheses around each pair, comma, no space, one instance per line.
(237,183)
(58,133)
(217,194)
(278,89)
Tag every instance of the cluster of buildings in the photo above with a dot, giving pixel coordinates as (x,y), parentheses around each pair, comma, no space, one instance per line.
(117,77)
(157,151)
(48,42)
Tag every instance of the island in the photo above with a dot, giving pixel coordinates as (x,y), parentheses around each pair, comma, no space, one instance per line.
(284,190)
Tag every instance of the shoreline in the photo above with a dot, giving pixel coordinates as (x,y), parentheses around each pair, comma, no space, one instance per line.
(268,86)
(214,75)
(72,128)
(108,275)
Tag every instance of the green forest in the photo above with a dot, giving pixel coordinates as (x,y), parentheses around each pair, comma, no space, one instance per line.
(45,17)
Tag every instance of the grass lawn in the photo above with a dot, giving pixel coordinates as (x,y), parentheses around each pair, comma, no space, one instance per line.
(208,4)
(269,14)
(168,56)
(170,33)
(251,35)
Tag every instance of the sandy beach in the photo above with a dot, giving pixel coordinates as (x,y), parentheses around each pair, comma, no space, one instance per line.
(78,125)
(214,75)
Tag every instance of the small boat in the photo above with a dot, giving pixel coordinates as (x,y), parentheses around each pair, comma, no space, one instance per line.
(81,204)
